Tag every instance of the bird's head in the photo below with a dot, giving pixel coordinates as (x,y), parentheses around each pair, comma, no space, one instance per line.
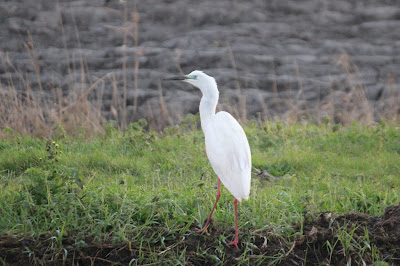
(198,79)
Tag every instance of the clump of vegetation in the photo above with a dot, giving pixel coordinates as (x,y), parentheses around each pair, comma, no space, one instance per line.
(50,178)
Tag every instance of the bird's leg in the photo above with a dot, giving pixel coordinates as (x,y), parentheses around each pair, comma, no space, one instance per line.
(236,240)
(215,204)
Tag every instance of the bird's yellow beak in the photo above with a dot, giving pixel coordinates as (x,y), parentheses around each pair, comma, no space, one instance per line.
(176,78)
(183,77)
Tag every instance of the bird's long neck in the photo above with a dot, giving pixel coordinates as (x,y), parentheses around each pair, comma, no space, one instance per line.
(208,105)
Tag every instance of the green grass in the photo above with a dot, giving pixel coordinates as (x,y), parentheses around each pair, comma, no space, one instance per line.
(149,188)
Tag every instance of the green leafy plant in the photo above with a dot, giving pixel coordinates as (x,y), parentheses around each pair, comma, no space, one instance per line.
(52,178)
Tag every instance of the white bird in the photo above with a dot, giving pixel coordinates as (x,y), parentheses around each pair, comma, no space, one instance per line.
(226,144)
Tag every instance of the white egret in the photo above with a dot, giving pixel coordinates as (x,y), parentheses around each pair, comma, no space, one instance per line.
(226,144)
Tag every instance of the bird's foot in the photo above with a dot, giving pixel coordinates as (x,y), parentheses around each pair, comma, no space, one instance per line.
(203,231)
(234,243)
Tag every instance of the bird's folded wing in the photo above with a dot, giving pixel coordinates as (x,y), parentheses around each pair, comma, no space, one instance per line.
(229,154)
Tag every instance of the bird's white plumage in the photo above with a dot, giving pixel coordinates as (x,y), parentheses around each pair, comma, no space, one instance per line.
(229,154)
(226,143)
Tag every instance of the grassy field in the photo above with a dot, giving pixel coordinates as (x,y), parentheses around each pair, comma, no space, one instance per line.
(137,197)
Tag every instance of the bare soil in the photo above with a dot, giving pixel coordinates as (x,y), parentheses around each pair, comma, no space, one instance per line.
(275,54)
(310,247)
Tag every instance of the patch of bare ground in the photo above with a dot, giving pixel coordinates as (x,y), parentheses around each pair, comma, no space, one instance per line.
(326,239)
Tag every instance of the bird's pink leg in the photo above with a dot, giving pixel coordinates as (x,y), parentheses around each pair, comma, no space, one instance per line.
(215,204)
(236,240)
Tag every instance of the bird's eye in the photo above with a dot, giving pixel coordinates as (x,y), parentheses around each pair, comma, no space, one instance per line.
(195,76)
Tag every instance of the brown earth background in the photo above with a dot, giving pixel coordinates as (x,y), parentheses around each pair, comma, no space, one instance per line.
(284,59)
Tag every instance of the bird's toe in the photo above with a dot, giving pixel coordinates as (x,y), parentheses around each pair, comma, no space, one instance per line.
(203,231)
(234,243)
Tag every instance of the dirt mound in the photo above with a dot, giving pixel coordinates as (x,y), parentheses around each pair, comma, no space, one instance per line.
(326,239)
(351,237)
